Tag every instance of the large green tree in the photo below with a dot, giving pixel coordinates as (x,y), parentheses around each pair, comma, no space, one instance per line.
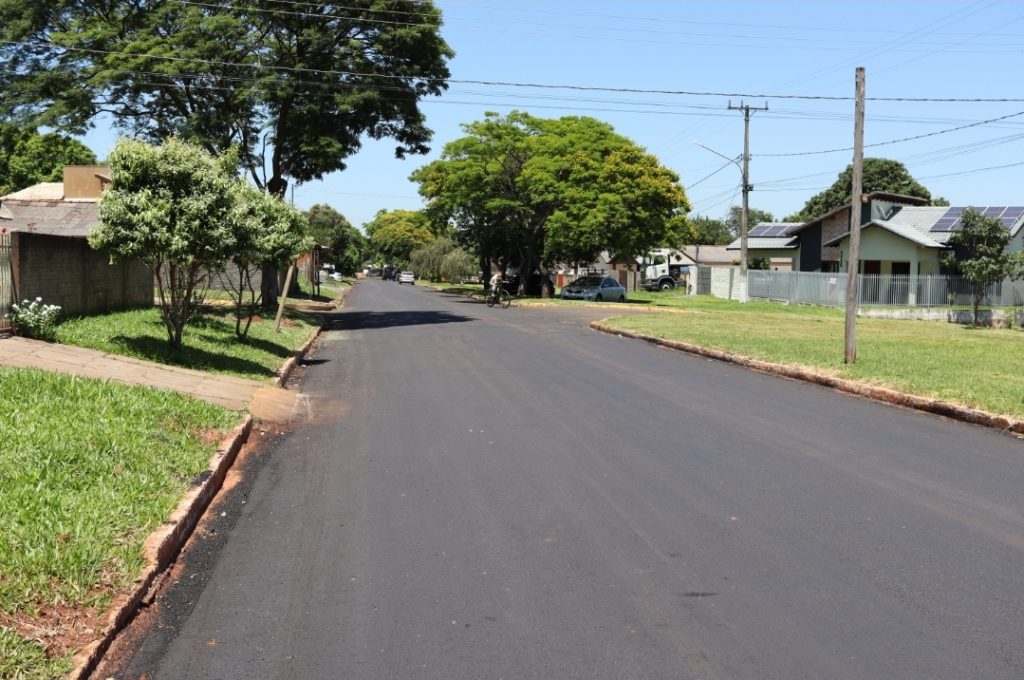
(395,234)
(295,86)
(980,254)
(709,231)
(343,243)
(880,174)
(529,192)
(27,157)
(171,207)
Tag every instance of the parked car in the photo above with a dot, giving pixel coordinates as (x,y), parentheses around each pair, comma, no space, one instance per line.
(336,276)
(594,288)
(407,277)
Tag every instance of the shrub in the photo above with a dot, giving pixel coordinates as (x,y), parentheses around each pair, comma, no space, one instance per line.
(34,319)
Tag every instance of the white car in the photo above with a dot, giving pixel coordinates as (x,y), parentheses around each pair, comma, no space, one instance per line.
(407,277)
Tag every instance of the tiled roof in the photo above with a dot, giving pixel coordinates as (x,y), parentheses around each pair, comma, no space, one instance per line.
(47,191)
(915,223)
(708,255)
(55,218)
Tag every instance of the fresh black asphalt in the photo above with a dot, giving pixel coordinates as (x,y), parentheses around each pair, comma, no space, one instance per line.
(487,493)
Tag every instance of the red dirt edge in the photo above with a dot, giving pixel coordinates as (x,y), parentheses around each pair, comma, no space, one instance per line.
(161,548)
(884,394)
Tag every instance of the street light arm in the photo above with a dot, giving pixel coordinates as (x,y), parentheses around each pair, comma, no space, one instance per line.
(734,161)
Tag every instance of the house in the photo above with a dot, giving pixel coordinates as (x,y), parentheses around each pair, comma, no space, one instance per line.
(50,255)
(816,249)
(774,241)
(912,240)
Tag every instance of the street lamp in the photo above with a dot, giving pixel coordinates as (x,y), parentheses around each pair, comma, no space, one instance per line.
(746,204)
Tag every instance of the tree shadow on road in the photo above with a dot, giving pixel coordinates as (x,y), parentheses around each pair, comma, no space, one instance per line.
(351,321)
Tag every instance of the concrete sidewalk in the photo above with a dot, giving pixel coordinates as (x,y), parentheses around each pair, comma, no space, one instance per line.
(264,401)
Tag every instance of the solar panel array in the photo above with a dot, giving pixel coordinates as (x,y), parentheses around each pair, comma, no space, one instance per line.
(1007,216)
(768,230)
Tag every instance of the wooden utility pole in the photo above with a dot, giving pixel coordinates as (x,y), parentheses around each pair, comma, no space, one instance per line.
(747,188)
(856,202)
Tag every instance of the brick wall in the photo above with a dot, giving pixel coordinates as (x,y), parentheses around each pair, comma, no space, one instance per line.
(67,272)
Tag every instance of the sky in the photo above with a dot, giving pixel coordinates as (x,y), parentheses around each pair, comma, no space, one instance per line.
(798,59)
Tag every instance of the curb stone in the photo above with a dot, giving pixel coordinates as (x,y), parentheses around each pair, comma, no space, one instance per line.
(883,394)
(162,546)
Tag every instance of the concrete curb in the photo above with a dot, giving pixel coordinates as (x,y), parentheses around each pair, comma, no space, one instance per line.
(296,357)
(883,394)
(162,547)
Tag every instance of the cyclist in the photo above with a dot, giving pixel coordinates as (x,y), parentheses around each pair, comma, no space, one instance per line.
(496,282)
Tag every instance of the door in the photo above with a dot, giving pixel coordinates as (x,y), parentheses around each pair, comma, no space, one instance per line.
(899,284)
(870,289)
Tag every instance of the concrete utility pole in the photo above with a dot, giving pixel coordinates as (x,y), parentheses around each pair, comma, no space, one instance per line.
(747,188)
(856,201)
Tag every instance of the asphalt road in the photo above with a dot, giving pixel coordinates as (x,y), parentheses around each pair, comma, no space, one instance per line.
(486,493)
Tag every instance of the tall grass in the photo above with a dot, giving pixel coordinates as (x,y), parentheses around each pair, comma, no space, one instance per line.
(88,469)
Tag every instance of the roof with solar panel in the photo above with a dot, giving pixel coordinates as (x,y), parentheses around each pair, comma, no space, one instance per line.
(770,236)
(932,226)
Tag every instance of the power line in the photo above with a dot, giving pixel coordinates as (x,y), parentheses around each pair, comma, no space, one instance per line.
(790,41)
(892,141)
(540,86)
(975,171)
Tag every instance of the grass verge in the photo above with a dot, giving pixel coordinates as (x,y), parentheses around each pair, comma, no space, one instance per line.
(209,342)
(88,469)
(972,367)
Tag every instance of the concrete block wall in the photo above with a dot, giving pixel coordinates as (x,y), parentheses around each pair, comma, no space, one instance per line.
(68,272)
(726,283)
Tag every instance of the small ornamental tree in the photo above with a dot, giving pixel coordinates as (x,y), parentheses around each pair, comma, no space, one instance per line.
(427,261)
(170,207)
(983,259)
(458,266)
(268,233)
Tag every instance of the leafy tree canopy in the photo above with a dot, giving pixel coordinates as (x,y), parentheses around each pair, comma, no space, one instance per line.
(880,174)
(171,207)
(295,86)
(267,232)
(344,243)
(394,235)
(27,157)
(754,217)
(709,231)
(530,192)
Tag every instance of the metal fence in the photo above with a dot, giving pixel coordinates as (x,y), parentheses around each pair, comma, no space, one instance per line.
(6,281)
(881,290)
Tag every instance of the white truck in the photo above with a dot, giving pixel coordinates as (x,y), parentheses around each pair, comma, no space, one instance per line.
(664,269)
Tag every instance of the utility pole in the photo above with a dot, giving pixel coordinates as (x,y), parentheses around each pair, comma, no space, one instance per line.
(856,201)
(747,188)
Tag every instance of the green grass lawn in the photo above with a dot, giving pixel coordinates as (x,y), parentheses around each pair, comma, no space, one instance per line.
(974,367)
(209,342)
(88,469)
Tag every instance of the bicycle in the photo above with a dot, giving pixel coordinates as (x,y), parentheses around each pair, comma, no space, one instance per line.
(500,297)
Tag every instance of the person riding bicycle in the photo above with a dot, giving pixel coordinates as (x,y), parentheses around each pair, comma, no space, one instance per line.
(496,283)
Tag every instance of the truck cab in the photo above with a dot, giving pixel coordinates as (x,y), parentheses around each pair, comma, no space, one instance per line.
(664,269)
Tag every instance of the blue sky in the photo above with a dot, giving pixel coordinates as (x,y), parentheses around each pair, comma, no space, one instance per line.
(782,54)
